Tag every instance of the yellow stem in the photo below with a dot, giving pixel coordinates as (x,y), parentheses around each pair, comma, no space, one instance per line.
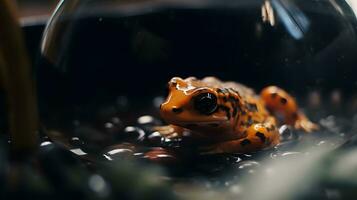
(15,72)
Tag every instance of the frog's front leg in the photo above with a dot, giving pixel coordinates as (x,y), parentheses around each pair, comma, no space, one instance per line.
(170,131)
(281,103)
(258,136)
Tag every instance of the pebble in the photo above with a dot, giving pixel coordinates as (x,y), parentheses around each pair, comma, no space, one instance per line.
(53,156)
(247,166)
(99,186)
(93,139)
(113,126)
(132,134)
(76,142)
(172,142)
(118,153)
(286,133)
(119,148)
(155,138)
(161,156)
(286,145)
(286,155)
(148,121)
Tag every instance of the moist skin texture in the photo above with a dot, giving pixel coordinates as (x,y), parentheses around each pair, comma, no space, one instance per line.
(227,116)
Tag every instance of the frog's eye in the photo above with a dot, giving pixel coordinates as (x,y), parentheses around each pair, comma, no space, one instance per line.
(205,103)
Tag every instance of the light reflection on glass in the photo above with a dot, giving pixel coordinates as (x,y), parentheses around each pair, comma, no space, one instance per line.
(292,17)
(353,5)
(268,13)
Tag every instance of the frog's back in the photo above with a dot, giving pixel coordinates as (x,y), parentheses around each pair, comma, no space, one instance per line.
(243,90)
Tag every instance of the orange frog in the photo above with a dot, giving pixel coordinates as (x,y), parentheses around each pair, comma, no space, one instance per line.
(228,116)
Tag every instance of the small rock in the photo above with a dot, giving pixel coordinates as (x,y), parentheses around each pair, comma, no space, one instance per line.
(286,145)
(45,143)
(286,155)
(93,139)
(286,133)
(99,186)
(161,156)
(51,155)
(172,142)
(155,138)
(247,166)
(76,142)
(132,134)
(113,126)
(121,151)
(148,121)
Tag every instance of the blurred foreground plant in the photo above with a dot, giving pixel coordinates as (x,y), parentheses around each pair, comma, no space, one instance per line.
(16,81)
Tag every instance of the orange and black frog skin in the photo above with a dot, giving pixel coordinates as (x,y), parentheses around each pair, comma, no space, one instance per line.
(229,116)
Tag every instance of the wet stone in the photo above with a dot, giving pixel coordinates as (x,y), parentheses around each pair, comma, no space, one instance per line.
(172,142)
(155,138)
(99,186)
(76,142)
(93,139)
(161,156)
(78,151)
(45,143)
(51,154)
(217,163)
(223,159)
(285,146)
(113,126)
(44,138)
(325,144)
(286,133)
(247,166)
(287,155)
(132,134)
(121,151)
(148,121)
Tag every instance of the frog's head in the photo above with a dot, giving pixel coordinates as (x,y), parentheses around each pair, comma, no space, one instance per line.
(192,104)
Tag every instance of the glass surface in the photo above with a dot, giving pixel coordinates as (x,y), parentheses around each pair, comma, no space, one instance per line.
(104,67)
(95,51)
(105,64)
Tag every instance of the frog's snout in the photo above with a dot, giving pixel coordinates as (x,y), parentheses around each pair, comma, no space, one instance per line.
(167,110)
(176,110)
